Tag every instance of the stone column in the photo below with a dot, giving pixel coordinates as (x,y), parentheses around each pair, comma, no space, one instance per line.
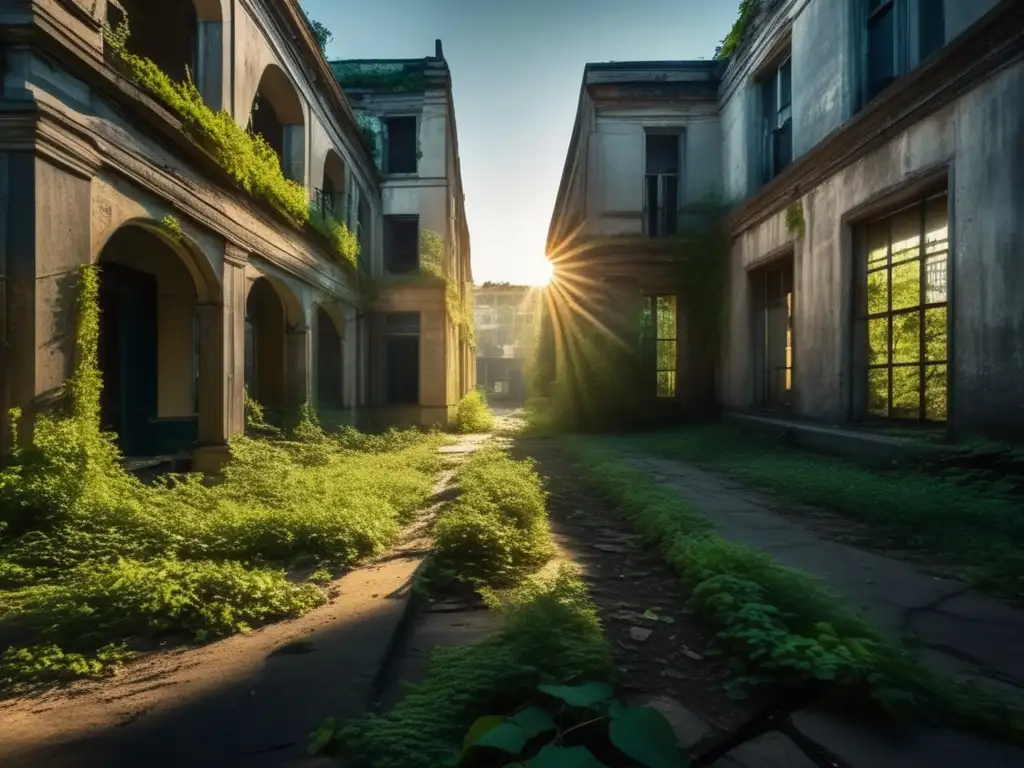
(222,356)
(298,367)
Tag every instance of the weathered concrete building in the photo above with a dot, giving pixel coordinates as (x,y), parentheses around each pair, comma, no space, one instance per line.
(205,288)
(423,297)
(505,317)
(873,153)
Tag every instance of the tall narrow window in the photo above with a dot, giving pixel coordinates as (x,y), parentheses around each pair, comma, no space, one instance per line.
(662,183)
(401,144)
(903,305)
(777,98)
(931,19)
(883,61)
(402,358)
(899,35)
(666,341)
(773,334)
(401,244)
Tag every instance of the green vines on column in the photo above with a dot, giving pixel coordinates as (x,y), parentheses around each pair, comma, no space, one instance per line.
(246,156)
(457,298)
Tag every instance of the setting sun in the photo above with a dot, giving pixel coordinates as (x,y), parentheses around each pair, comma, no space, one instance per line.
(540,272)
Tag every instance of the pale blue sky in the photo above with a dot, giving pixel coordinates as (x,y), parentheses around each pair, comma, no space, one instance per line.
(516,72)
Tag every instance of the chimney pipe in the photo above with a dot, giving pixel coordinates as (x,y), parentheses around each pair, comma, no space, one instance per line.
(438,50)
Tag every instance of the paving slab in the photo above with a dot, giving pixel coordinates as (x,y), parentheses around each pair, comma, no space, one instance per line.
(769,750)
(859,745)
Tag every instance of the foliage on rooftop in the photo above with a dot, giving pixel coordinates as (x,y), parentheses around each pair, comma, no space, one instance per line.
(391,78)
(732,41)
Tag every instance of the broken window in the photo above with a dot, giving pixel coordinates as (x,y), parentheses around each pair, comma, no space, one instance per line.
(773,335)
(903,312)
(666,344)
(401,244)
(401,144)
(777,126)
(899,34)
(662,183)
(402,358)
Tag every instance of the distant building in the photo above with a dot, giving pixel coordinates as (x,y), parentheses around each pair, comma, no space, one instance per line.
(421,357)
(506,332)
(873,155)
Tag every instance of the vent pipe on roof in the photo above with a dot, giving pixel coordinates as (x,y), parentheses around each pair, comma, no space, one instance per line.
(438,50)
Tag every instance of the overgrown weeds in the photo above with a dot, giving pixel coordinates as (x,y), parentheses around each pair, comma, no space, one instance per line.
(977,527)
(551,634)
(91,558)
(496,532)
(778,626)
(473,415)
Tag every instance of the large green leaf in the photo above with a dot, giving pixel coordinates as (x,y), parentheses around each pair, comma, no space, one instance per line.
(479,728)
(534,721)
(586,695)
(644,734)
(506,737)
(565,757)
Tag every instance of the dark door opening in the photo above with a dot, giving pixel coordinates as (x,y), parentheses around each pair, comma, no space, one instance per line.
(329,369)
(402,358)
(773,335)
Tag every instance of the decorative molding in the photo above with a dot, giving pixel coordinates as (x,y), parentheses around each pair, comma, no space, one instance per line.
(993,44)
(84,10)
(236,255)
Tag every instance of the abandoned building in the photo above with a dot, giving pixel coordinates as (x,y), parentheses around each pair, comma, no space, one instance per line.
(207,289)
(421,332)
(506,335)
(871,155)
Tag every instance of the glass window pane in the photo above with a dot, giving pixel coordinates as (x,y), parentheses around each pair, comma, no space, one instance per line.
(906,285)
(878,341)
(666,317)
(935,386)
(935,279)
(666,384)
(878,391)
(936,225)
(878,244)
(906,392)
(878,291)
(666,355)
(935,333)
(906,234)
(906,338)
(881,50)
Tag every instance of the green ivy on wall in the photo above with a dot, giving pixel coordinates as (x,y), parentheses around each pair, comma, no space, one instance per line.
(456,298)
(795,219)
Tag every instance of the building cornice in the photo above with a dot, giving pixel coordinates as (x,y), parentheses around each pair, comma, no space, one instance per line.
(992,44)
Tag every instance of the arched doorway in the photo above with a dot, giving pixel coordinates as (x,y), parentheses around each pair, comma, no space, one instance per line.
(332,192)
(149,343)
(329,362)
(265,375)
(277,116)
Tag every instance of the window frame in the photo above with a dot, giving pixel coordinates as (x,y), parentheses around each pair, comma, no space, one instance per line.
(389,221)
(908,44)
(863,315)
(775,117)
(386,150)
(395,332)
(666,225)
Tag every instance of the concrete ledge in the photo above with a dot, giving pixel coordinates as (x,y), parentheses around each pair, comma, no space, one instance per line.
(864,448)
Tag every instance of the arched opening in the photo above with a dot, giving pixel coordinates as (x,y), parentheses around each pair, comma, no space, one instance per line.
(149,343)
(331,196)
(265,375)
(277,116)
(182,37)
(329,362)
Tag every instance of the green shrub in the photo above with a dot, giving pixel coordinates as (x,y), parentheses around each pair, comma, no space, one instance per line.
(779,626)
(496,532)
(473,416)
(90,557)
(551,635)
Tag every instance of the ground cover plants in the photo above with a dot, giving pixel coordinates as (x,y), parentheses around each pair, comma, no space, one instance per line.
(496,532)
(92,559)
(473,416)
(978,527)
(777,626)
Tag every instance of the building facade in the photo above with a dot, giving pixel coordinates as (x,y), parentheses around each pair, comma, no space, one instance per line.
(421,336)
(872,155)
(209,283)
(506,335)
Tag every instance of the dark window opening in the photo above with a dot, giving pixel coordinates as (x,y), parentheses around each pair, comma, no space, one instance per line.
(401,141)
(401,244)
(264,122)
(165,32)
(882,51)
(931,18)
(903,313)
(777,131)
(892,29)
(662,184)
(402,358)
(773,335)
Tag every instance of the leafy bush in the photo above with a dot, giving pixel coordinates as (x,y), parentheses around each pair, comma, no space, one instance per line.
(779,626)
(90,556)
(473,415)
(496,532)
(552,635)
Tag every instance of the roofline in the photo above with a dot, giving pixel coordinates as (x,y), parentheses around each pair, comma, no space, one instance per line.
(420,60)
(563,185)
(612,66)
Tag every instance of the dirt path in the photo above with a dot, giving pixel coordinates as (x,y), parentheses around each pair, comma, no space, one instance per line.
(250,699)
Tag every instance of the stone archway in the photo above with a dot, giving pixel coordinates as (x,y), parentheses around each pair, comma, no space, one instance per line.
(277,115)
(151,288)
(332,188)
(276,345)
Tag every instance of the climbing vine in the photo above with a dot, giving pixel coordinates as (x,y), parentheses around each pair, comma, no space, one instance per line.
(735,37)
(457,299)
(246,156)
(795,219)
(172,227)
